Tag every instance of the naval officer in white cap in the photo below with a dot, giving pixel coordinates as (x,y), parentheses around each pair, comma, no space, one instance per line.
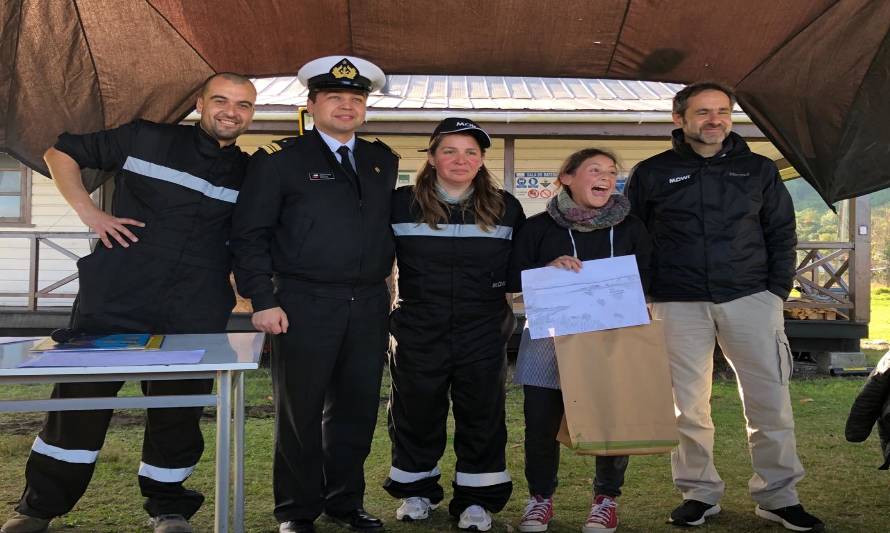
(313,247)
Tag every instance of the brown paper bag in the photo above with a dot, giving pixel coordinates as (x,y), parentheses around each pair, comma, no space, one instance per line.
(616,387)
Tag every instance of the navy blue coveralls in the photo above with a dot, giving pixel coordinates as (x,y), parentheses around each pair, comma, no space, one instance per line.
(183,186)
(452,327)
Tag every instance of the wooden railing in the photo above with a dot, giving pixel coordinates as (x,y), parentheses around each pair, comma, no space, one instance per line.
(825,274)
(822,276)
(37,239)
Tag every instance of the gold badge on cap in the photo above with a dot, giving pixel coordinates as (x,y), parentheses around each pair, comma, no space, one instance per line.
(344,69)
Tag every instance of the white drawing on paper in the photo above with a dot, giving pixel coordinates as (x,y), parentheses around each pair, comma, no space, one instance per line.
(605,294)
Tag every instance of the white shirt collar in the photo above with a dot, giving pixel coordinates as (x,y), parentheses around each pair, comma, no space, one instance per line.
(333,143)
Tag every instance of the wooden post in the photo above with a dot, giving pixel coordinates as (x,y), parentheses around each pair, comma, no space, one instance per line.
(860,260)
(33,273)
(509,163)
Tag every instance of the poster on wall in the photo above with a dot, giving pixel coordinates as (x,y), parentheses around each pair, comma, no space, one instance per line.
(534,185)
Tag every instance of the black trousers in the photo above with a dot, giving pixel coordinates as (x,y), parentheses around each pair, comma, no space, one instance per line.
(473,373)
(543,414)
(64,454)
(124,291)
(326,373)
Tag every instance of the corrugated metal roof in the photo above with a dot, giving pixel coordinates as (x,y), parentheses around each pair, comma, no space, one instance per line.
(426,92)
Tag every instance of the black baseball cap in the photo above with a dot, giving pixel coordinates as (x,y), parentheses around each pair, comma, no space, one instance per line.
(457,125)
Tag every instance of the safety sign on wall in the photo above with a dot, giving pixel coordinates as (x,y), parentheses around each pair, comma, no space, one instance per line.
(535,185)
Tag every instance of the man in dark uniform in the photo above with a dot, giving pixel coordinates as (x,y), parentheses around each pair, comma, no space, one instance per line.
(162,267)
(314,214)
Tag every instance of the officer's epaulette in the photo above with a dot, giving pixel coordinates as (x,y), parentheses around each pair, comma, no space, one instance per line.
(384,145)
(278,145)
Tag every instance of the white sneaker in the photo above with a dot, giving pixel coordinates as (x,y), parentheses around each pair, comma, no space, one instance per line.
(415,508)
(475,518)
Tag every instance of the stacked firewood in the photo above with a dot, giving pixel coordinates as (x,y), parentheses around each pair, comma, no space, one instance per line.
(799,310)
(808,313)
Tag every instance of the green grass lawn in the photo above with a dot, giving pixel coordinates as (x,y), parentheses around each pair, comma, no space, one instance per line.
(879,323)
(843,485)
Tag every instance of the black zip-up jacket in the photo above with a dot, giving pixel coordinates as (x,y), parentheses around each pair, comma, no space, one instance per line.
(871,406)
(542,240)
(183,186)
(301,217)
(723,227)
(460,264)
(176,179)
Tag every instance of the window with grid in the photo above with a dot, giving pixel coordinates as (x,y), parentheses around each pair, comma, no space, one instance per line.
(15,201)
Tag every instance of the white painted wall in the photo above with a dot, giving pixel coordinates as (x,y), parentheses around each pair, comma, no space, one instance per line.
(49,212)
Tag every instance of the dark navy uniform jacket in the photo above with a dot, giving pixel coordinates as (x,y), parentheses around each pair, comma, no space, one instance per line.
(453,280)
(183,186)
(458,264)
(303,218)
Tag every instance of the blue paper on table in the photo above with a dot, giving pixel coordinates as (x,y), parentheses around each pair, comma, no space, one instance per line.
(90,343)
(112,358)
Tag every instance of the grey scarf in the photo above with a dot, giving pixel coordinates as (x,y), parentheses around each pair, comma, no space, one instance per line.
(570,215)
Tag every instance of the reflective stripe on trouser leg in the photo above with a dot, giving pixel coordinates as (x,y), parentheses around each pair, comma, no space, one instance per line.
(63,457)
(165,475)
(690,337)
(401,476)
(751,334)
(61,454)
(481,480)
(480,435)
(417,416)
(171,449)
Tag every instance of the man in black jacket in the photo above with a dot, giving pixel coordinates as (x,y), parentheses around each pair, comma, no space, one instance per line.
(314,213)
(723,227)
(162,267)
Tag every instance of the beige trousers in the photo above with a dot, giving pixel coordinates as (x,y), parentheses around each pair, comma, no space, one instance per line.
(751,334)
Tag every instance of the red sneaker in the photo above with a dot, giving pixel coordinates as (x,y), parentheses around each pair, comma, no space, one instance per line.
(603,517)
(538,514)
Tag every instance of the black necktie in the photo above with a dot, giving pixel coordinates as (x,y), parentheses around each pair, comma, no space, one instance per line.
(346,161)
(350,170)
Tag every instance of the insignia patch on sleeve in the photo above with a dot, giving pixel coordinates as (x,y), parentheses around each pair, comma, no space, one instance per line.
(271,148)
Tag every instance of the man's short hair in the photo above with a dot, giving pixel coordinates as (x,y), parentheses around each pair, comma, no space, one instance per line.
(681,99)
(234,77)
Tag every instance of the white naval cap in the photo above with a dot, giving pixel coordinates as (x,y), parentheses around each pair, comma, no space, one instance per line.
(341,72)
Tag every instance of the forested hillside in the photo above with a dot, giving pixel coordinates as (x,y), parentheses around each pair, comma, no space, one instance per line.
(816,222)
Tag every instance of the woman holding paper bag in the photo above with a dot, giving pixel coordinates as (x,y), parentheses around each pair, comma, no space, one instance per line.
(585,220)
(453,232)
